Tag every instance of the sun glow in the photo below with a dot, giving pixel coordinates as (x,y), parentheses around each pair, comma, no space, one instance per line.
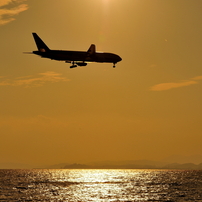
(105,1)
(105,24)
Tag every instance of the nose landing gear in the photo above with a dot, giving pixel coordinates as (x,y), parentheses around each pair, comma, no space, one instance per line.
(114,64)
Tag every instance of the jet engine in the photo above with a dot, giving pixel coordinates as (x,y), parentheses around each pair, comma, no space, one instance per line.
(81,63)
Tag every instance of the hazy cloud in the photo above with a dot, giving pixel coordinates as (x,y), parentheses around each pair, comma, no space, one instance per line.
(197,78)
(168,86)
(153,65)
(33,81)
(28,123)
(10,8)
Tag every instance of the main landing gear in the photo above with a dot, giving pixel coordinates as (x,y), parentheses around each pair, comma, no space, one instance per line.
(83,64)
(73,65)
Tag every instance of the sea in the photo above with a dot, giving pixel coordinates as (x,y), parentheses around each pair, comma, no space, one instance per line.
(100,185)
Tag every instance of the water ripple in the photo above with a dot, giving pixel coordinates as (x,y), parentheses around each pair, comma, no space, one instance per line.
(100,185)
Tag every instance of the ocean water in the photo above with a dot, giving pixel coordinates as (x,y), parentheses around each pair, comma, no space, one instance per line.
(100,185)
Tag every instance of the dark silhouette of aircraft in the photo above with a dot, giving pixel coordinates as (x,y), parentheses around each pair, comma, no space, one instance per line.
(76,58)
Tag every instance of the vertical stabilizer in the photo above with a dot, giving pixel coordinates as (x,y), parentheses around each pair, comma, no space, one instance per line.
(42,47)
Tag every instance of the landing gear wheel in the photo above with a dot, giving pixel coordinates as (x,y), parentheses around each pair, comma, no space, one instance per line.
(73,65)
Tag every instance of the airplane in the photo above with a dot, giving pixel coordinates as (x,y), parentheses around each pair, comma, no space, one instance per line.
(76,58)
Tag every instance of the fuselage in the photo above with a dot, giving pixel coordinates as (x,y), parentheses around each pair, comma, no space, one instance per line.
(82,56)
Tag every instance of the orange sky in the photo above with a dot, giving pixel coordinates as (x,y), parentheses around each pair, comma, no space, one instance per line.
(148,107)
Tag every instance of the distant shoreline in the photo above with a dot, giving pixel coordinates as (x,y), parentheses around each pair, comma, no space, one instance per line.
(143,164)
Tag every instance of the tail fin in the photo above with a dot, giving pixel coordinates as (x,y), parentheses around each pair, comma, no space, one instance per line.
(42,47)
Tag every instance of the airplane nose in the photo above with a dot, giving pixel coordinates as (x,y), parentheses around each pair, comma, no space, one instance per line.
(119,58)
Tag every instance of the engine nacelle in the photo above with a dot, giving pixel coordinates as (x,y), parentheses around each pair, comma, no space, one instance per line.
(81,63)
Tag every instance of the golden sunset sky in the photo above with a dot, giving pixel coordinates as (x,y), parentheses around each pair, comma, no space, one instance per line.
(148,107)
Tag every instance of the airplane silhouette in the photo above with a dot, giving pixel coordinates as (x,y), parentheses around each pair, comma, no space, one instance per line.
(76,58)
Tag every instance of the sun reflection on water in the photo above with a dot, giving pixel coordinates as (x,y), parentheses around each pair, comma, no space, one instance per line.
(100,185)
(97,176)
(97,184)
